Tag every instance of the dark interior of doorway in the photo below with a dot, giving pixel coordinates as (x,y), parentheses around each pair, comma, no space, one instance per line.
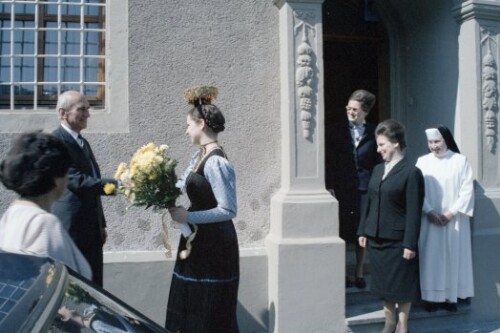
(355,57)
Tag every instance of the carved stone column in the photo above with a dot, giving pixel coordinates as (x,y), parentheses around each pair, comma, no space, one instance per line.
(477,133)
(306,256)
(477,102)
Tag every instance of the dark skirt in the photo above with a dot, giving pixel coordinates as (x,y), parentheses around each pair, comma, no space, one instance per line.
(349,216)
(204,290)
(394,278)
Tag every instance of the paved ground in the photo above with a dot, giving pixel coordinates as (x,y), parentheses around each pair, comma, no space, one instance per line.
(470,328)
(473,328)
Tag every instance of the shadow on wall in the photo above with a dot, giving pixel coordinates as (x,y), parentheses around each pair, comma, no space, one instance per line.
(272,317)
(485,228)
(248,324)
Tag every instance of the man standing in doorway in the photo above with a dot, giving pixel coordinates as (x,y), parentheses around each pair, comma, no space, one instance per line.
(353,156)
(80,207)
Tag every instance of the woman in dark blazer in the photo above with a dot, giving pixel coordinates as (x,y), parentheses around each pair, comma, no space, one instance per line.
(352,155)
(390,226)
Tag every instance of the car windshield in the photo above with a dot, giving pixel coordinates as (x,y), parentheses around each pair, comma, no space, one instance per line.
(16,280)
(86,309)
(24,280)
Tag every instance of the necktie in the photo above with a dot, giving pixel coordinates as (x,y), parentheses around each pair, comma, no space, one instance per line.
(84,147)
(86,151)
(80,141)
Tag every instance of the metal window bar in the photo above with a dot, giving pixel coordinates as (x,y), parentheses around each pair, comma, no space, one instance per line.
(12,22)
(82,34)
(35,62)
(36,30)
(59,32)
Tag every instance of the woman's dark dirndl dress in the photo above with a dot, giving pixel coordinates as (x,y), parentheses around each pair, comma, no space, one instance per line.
(204,290)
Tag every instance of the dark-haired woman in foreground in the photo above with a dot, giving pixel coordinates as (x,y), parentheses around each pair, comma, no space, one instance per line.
(390,226)
(36,168)
(204,290)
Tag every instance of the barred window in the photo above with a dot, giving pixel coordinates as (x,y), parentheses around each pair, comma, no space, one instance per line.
(48,47)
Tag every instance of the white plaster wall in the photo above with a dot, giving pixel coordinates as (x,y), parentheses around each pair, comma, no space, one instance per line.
(177,44)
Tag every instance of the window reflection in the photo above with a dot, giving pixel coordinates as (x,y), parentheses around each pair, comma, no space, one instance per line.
(84,309)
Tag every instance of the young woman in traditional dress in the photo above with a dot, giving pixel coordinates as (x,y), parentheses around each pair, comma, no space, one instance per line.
(204,290)
(445,236)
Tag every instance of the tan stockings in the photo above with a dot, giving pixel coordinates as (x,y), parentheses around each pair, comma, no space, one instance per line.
(390,317)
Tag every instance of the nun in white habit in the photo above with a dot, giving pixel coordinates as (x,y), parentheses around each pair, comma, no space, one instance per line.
(445,234)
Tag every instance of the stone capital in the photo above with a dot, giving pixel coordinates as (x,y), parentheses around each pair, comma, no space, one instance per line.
(477,9)
(280,3)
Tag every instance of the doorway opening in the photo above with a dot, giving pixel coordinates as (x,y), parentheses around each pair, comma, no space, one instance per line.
(355,56)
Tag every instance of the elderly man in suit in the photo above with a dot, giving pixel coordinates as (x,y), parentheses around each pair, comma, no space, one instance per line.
(80,208)
(352,153)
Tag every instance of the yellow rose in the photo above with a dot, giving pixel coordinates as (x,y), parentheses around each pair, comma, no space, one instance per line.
(134,170)
(109,188)
(121,168)
(147,162)
(162,149)
(149,147)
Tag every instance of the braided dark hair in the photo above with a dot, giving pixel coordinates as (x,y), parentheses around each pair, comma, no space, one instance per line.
(210,113)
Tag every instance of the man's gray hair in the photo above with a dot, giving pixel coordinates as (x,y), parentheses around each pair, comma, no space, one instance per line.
(65,100)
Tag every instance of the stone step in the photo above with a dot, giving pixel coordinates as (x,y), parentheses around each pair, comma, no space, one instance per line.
(371,312)
(356,296)
(364,314)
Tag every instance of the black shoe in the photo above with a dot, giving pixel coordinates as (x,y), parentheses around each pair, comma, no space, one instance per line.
(464,300)
(431,306)
(360,283)
(348,282)
(451,307)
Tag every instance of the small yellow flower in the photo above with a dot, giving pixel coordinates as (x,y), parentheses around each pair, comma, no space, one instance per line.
(149,147)
(109,188)
(121,168)
(162,149)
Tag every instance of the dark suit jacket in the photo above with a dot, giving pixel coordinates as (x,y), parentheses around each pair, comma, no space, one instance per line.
(350,167)
(394,205)
(348,172)
(80,207)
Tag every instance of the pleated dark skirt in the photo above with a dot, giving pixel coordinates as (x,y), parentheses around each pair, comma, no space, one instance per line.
(394,278)
(204,290)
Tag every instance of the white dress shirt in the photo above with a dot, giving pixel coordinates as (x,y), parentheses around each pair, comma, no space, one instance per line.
(357,132)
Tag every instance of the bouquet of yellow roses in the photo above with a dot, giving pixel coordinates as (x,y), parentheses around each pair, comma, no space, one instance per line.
(149,180)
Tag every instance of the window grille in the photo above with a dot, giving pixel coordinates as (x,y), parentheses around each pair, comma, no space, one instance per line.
(48,47)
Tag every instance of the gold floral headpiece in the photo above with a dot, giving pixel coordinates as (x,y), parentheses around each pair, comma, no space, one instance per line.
(200,95)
